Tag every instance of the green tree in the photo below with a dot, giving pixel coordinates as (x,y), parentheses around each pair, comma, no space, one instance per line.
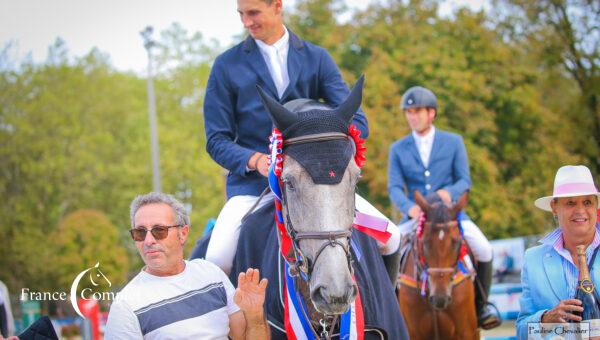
(75,136)
(82,239)
(489,91)
(563,35)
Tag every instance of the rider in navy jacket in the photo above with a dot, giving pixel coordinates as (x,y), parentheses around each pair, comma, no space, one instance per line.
(236,122)
(238,126)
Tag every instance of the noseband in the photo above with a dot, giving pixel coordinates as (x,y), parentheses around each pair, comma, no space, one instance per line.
(302,264)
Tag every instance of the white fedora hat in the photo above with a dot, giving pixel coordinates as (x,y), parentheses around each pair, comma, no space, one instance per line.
(570,181)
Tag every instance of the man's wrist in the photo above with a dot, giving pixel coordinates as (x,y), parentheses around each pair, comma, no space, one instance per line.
(260,156)
(252,162)
(255,318)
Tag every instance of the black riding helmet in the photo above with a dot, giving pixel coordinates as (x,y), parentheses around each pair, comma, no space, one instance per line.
(418,96)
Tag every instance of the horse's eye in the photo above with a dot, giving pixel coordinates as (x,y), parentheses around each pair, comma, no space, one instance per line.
(289,184)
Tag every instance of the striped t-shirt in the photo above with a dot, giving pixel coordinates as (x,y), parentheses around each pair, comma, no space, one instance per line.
(194,304)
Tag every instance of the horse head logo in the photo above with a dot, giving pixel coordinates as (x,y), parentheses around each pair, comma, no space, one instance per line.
(95,277)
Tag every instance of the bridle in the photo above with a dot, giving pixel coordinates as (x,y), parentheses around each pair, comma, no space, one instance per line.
(425,270)
(300,263)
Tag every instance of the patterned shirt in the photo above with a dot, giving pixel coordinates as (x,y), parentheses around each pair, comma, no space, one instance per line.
(555,240)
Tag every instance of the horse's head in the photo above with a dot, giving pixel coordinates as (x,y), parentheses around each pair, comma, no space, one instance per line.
(319,177)
(441,241)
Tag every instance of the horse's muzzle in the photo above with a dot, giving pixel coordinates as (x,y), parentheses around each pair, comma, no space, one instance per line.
(440,301)
(329,303)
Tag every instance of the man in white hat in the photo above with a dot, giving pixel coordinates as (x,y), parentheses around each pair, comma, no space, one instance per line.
(550,273)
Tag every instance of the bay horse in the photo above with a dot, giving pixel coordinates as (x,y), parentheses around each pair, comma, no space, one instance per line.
(436,291)
(328,264)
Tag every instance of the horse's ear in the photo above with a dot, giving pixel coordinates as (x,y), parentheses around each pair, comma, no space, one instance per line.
(349,107)
(461,203)
(422,202)
(281,117)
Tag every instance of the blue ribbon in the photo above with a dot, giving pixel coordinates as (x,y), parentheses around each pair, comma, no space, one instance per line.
(274,183)
(299,305)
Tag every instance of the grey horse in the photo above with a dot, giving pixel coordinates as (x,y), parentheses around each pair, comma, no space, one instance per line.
(318,183)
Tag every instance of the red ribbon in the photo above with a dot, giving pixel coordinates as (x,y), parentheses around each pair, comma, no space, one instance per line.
(359,155)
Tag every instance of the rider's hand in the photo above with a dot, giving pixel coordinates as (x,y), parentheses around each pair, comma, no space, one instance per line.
(250,293)
(414,212)
(445,196)
(563,312)
(263,165)
(259,162)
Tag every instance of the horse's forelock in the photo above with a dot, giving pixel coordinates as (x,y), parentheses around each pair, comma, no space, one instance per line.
(438,212)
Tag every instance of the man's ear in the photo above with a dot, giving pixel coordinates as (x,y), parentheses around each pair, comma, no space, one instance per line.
(432,113)
(183,234)
(278,5)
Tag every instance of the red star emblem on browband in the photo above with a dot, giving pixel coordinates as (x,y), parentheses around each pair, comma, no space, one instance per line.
(331,173)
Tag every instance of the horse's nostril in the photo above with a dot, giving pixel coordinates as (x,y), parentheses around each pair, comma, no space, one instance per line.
(318,295)
(440,302)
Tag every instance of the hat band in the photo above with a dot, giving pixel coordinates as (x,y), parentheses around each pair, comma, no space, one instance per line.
(574,188)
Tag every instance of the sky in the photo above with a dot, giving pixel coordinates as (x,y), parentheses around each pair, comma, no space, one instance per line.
(113,26)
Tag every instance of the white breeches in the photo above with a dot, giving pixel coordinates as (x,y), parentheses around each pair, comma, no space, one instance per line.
(480,246)
(223,242)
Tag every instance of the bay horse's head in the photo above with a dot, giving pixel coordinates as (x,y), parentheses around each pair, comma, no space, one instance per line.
(441,241)
(318,177)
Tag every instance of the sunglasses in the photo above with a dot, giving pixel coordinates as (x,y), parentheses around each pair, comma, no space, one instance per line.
(159,232)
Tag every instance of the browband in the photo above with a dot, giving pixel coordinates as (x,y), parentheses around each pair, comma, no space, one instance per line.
(318,137)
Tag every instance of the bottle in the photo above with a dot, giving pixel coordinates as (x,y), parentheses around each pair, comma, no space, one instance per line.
(585,293)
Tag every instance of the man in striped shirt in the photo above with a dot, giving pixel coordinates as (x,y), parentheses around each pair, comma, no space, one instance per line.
(172,298)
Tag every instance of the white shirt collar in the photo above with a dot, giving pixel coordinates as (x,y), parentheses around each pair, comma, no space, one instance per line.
(280,44)
(428,138)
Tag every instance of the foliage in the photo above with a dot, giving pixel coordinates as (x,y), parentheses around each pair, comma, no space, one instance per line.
(562,36)
(490,91)
(74,135)
(90,235)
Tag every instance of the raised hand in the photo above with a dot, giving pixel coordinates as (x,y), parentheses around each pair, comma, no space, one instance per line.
(250,293)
